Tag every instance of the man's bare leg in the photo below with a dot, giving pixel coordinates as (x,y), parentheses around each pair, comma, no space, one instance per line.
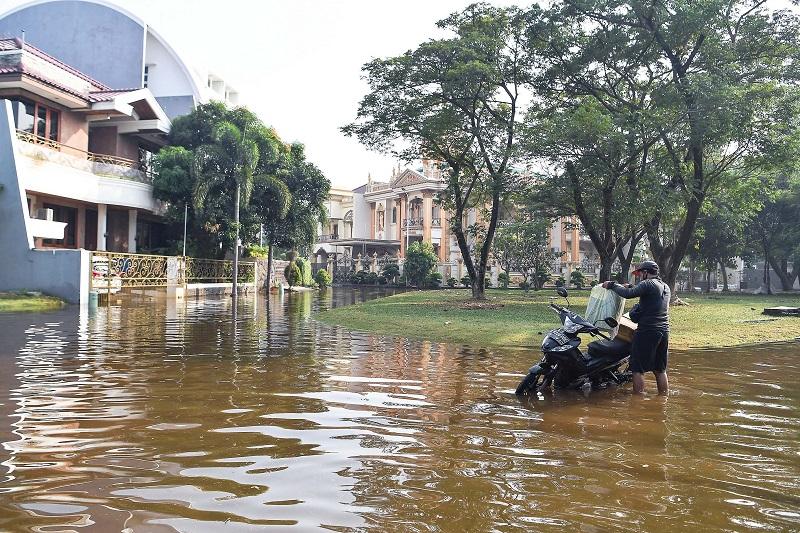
(638,383)
(662,382)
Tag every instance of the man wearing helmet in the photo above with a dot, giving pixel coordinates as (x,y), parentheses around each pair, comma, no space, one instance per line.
(650,347)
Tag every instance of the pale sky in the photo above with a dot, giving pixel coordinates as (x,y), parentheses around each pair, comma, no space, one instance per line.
(297,63)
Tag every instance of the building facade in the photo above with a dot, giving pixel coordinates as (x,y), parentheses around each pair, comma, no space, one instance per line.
(383,218)
(81,152)
(118,49)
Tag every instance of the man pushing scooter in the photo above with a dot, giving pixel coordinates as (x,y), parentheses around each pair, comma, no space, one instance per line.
(650,347)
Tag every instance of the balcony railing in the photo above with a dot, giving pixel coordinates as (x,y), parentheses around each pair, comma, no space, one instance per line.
(328,238)
(100,164)
(436,222)
(412,222)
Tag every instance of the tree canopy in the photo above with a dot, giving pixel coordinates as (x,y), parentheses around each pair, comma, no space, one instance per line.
(215,151)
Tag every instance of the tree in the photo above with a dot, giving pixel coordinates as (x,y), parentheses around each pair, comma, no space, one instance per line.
(599,168)
(774,233)
(457,101)
(213,152)
(420,262)
(522,246)
(712,70)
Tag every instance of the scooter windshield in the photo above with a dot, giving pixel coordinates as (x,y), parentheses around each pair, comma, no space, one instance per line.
(570,326)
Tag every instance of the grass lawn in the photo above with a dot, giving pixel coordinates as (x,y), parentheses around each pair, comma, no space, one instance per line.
(519,319)
(21,301)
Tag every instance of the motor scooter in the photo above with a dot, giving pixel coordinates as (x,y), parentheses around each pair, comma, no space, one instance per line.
(565,366)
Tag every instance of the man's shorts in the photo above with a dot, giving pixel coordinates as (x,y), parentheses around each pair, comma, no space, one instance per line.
(650,350)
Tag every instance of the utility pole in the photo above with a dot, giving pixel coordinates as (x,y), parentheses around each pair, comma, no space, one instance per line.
(185,217)
(236,220)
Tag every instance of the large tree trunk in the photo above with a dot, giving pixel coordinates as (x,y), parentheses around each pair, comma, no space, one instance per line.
(724,277)
(781,268)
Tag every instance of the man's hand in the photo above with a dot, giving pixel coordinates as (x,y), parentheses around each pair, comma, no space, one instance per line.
(607,284)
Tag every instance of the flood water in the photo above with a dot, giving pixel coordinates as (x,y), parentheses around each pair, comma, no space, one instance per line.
(156,418)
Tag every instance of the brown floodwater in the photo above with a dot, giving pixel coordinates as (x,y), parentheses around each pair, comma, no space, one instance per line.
(149,417)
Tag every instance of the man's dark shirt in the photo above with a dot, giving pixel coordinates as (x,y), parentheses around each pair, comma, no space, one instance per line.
(653,294)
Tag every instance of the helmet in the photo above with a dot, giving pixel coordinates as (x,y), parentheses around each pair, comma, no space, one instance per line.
(648,266)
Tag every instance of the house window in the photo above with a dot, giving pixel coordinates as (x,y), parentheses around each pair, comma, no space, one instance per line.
(37,119)
(68,215)
(394,215)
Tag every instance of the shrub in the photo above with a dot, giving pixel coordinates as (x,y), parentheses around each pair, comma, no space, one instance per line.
(323,279)
(292,274)
(382,280)
(305,271)
(391,272)
(524,285)
(466,281)
(577,279)
(434,280)
(371,278)
(487,282)
(358,278)
(594,282)
(503,279)
(420,261)
(452,282)
(560,281)
(256,251)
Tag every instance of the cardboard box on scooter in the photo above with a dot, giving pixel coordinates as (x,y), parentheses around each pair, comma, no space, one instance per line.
(626,329)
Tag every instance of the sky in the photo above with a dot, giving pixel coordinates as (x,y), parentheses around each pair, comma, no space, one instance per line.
(297,63)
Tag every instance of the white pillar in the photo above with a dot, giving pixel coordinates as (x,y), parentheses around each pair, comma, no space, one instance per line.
(132,216)
(101,226)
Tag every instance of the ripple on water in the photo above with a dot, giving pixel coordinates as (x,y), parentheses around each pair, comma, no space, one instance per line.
(152,417)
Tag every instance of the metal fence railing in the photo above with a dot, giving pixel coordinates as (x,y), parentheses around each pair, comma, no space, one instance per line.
(112,271)
(216,270)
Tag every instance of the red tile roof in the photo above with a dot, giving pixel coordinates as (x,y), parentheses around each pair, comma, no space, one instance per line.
(17,44)
(106,96)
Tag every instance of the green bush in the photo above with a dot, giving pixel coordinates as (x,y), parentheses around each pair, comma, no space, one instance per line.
(323,279)
(452,282)
(525,286)
(382,280)
(292,274)
(503,279)
(305,271)
(358,278)
(577,279)
(434,280)
(594,282)
(256,251)
(371,278)
(560,281)
(420,261)
(391,272)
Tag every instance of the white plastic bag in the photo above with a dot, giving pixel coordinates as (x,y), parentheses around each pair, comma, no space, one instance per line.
(604,303)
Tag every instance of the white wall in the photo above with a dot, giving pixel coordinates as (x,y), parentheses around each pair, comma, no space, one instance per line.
(46,177)
(166,77)
(62,273)
(361,216)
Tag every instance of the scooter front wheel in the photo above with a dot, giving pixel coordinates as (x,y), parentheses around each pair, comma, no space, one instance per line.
(531,382)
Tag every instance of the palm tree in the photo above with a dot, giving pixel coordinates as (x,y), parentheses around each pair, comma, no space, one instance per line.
(230,160)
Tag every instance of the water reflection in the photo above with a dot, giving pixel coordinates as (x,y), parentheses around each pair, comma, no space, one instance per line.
(157,417)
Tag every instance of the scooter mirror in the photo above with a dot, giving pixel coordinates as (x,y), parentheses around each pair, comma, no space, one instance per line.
(611,322)
(561,292)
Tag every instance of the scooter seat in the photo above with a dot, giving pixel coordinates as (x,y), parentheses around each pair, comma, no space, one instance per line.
(613,348)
